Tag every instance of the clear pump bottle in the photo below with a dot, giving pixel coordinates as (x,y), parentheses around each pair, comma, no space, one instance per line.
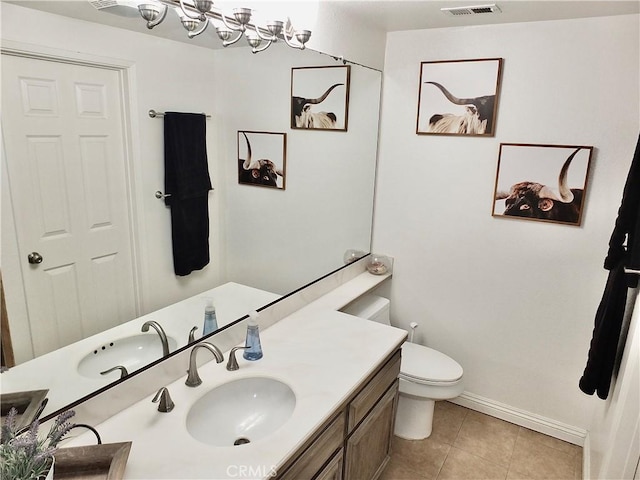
(210,320)
(254,350)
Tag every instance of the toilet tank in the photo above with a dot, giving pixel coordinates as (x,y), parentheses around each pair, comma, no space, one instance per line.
(371,307)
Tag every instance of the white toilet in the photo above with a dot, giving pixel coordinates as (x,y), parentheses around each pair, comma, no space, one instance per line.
(426,375)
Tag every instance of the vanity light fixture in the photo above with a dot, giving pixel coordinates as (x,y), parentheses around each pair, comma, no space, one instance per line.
(196,15)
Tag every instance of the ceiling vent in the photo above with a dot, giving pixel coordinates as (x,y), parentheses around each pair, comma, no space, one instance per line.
(124,8)
(461,11)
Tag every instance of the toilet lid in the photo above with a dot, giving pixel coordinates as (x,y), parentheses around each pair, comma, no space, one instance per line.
(426,365)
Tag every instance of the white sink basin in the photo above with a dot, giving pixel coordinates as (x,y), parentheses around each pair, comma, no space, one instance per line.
(130,352)
(241,411)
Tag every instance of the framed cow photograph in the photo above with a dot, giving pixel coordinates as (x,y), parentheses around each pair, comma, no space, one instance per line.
(542,182)
(459,97)
(320,97)
(262,158)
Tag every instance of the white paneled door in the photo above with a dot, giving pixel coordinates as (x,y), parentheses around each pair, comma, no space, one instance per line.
(63,133)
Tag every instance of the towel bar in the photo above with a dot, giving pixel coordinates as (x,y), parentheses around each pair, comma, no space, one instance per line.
(630,270)
(159,195)
(154,114)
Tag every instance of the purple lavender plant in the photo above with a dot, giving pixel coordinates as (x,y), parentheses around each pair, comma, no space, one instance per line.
(24,456)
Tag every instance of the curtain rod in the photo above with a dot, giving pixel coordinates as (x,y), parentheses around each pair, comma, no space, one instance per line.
(154,114)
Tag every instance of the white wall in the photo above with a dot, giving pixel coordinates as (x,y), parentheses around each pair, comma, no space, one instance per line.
(343,35)
(512,300)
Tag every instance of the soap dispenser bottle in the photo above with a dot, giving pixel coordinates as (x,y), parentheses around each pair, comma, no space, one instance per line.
(210,321)
(254,349)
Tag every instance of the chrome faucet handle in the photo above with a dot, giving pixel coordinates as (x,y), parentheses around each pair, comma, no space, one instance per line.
(166,404)
(193,379)
(232,363)
(123,371)
(192,335)
(160,331)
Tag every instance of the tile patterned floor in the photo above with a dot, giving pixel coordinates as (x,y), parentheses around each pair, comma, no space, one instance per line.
(467,445)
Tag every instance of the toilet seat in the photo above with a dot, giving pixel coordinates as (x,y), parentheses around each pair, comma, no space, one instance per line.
(426,366)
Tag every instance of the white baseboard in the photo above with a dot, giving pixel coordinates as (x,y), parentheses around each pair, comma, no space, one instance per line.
(522,418)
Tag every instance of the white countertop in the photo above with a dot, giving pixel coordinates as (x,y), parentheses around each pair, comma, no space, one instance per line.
(322,355)
(57,370)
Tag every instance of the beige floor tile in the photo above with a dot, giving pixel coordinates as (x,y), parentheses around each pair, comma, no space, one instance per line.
(398,470)
(534,460)
(577,473)
(447,420)
(422,456)
(487,437)
(529,435)
(461,465)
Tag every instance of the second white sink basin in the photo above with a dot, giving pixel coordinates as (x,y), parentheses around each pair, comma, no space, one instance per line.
(241,411)
(132,352)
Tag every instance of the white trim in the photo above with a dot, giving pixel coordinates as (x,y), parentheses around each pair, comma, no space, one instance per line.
(126,70)
(522,418)
(23,49)
(586,457)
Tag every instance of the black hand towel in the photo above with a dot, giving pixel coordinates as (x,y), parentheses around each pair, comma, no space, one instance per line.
(186,184)
(610,315)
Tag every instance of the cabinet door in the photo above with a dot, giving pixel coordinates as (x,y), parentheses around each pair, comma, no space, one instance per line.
(369,446)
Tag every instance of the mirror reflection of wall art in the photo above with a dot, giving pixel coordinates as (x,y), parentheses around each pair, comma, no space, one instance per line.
(320,97)
(542,182)
(459,97)
(262,158)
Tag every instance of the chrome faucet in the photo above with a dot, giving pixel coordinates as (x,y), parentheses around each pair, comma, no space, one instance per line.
(123,371)
(166,404)
(192,335)
(232,363)
(163,336)
(193,379)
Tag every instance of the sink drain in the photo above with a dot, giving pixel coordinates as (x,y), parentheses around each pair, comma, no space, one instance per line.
(241,441)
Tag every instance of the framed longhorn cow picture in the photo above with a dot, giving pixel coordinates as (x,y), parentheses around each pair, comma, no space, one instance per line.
(542,182)
(262,159)
(459,97)
(320,97)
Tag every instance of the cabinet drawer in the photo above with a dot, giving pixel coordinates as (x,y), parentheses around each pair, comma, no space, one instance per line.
(369,395)
(333,470)
(309,463)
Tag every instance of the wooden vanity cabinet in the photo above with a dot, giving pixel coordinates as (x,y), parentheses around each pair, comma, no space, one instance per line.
(356,442)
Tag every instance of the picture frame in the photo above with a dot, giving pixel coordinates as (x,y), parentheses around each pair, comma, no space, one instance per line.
(459,97)
(262,159)
(545,183)
(320,98)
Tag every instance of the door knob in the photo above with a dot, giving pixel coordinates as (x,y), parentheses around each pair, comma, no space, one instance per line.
(34,258)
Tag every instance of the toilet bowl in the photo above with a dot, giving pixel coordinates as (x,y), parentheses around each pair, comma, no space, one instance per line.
(426,375)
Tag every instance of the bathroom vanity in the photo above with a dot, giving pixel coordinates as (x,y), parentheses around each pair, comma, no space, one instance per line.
(355,443)
(343,372)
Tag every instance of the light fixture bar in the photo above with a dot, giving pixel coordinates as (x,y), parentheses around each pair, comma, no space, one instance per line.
(240,22)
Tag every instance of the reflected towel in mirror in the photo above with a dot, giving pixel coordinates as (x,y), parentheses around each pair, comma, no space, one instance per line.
(187,182)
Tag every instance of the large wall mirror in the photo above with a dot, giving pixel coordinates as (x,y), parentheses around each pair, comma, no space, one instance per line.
(264,242)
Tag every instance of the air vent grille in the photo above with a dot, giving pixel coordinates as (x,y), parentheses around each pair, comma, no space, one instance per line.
(473,10)
(100,4)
